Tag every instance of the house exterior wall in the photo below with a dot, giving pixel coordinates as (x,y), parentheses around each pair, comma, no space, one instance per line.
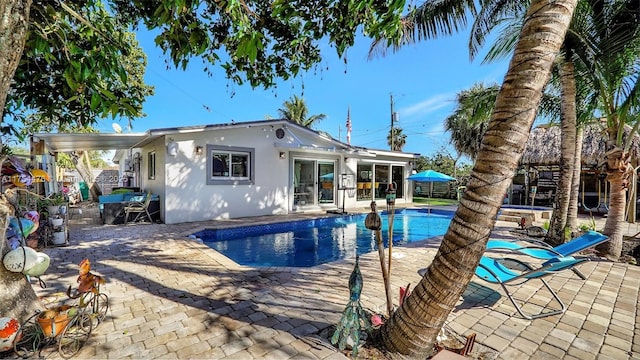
(187,196)
(188,193)
(155,185)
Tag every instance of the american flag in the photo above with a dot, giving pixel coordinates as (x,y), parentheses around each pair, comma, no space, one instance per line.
(349,126)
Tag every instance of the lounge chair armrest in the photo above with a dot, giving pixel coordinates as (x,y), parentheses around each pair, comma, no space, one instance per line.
(492,270)
(540,252)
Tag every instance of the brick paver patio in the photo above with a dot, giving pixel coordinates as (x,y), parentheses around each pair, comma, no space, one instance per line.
(172,297)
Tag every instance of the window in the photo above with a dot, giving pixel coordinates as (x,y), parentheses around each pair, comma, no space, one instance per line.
(151,165)
(228,165)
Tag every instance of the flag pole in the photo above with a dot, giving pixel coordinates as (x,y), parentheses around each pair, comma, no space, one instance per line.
(349,125)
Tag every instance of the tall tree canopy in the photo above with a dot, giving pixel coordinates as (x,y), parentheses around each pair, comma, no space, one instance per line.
(78,65)
(259,41)
(296,110)
(396,139)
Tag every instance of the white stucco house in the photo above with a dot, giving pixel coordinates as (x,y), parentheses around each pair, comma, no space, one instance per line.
(252,168)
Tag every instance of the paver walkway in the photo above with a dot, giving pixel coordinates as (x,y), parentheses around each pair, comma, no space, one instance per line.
(172,297)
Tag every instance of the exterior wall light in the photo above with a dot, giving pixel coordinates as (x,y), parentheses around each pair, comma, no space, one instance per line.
(199,150)
(282,155)
(172,148)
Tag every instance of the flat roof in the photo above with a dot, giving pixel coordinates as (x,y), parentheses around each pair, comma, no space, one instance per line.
(62,142)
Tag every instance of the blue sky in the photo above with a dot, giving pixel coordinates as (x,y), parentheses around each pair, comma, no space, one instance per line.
(423,79)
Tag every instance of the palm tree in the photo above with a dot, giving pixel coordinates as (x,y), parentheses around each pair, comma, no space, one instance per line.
(598,38)
(296,110)
(618,24)
(611,59)
(469,120)
(396,139)
(495,14)
(426,310)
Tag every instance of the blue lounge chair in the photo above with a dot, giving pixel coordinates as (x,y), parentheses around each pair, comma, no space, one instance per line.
(494,271)
(543,251)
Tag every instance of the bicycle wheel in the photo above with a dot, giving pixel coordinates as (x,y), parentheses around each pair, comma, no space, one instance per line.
(74,335)
(29,338)
(99,307)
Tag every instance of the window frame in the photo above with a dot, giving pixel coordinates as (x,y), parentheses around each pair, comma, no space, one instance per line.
(230,151)
(151,165)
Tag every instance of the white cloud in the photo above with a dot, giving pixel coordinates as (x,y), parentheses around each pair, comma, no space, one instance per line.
(419,110)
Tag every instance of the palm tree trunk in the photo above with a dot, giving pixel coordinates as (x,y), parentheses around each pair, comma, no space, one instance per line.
(572,213)
(618,168)
(557,225)
(412,330)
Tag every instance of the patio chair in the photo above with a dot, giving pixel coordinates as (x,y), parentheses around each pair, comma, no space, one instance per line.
(541,250)
(494,271)
(139,208)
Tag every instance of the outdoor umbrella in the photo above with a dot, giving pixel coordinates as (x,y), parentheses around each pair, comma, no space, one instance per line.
(430,176)
(327,177)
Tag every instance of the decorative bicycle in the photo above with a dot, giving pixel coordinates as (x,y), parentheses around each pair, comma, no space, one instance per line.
(68,326)
(69,331)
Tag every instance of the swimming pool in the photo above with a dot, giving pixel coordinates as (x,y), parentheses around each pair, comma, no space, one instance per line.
(308,243)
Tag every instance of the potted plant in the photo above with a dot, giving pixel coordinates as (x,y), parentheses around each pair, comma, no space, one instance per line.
(53,320)
(52,203)
(59,237)
(56,221)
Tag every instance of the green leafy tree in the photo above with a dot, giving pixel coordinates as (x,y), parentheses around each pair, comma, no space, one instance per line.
(78,66)
(396,139)
(440,161)
(295,109)
(468,122)
(16,150)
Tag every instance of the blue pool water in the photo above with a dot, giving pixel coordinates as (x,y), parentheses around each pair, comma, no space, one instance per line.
(308,243)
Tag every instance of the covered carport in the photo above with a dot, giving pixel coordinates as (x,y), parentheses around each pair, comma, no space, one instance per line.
(45,147)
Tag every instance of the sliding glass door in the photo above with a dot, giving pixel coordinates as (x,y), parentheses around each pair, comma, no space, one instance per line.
(327,181)
(373,180)
(314,182)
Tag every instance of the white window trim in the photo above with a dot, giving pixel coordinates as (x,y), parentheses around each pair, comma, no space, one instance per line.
(151,164)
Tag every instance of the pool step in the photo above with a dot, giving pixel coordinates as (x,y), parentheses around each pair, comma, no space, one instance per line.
(515,216)
(509,218)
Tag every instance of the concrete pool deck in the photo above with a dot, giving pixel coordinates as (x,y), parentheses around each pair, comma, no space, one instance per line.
(171,297)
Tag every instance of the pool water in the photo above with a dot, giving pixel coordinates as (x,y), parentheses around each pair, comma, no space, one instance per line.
(308,243)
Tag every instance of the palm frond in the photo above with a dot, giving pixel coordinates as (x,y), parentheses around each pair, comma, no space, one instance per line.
(504,44)
(492,15)
(428,21)
(295,109)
